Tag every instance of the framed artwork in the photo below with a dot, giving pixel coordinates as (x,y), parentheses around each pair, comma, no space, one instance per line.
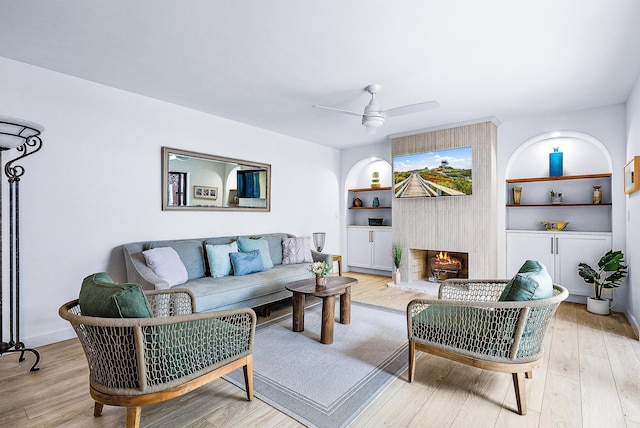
(631,172)
(205,192)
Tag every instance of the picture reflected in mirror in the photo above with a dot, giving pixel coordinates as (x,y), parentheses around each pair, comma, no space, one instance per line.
(198,181)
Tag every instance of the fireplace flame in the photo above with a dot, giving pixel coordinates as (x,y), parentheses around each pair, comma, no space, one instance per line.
(442,260)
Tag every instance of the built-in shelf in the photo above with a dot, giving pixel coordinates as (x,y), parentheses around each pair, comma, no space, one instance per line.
(369,208)
(558,205)
(562,177)
(369,189)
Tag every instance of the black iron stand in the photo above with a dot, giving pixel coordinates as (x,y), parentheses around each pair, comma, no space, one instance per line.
(13,173)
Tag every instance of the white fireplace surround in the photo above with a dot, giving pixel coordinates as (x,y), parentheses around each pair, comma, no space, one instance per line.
(456,223)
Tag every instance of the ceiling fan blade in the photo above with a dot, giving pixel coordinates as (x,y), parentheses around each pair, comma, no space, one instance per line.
(338,110)
(411,108)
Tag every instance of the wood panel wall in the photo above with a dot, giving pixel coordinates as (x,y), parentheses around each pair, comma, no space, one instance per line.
(454,223)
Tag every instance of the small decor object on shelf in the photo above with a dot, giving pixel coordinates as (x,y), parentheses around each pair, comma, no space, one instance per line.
(357,203)
(320,270)
(396,251)
(556,197)
(555,163)
(597,195)
(610,273)
(554,226)
(517,195)
(318,240)
(376,202)
(375,181)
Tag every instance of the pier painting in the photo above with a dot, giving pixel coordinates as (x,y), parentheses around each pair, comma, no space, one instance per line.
(433,174)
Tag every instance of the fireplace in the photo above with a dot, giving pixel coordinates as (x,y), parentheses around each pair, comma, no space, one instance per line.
(438,265)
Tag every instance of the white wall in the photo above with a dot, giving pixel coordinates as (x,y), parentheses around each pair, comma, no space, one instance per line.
(96,184)
(632,212)
(606,124)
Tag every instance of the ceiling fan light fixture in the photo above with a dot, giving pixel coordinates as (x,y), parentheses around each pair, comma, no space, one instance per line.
(373,120)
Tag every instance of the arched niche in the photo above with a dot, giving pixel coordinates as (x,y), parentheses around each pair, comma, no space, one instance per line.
(359,177)
(582,154)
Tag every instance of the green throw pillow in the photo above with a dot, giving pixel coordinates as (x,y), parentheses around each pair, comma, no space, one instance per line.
(101,297)
(532,282)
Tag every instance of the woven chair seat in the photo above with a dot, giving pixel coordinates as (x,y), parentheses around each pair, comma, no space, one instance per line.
(137,361)
(468,324)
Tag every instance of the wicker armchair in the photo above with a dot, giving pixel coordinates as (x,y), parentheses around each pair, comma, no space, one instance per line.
(469,325)
(139,361)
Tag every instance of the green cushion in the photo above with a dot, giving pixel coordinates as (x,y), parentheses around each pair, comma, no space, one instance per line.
(101,297)
(532,282)
(247,245)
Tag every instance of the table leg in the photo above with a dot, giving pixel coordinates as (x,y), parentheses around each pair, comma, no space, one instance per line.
(328,309)
(298,311)
(345,306)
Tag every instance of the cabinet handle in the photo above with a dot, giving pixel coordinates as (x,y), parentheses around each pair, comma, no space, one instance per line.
(371,236)
(557,249)
(552,246)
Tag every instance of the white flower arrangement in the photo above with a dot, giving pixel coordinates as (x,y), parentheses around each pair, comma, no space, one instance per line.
(320,268)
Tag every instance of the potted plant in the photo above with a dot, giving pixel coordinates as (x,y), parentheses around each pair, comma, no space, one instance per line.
(556,197)
(610,273)
(396,251)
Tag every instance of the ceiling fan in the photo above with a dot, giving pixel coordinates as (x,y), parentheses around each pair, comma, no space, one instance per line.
(373,116)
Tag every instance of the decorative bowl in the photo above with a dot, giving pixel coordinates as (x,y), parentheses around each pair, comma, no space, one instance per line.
(554,226)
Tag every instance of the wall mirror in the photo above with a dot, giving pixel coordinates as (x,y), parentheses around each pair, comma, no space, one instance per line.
(198,181)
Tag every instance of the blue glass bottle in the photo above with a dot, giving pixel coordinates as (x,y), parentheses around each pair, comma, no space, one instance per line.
(555,163)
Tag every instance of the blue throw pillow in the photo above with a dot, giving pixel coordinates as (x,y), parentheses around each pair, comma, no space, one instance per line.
(246,263)
(532,282)
(246,245)
(219,259)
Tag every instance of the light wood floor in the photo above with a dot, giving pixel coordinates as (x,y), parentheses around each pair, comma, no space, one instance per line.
(590,378)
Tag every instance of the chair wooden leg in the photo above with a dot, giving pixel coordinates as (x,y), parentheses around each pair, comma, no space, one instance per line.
(133,417)
(521,393)
(412,360)
(97,409)
(248,377)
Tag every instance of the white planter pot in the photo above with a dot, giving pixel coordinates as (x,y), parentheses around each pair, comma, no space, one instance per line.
(397,277)
(600,307)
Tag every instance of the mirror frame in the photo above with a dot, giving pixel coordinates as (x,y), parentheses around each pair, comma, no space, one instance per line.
(165,181)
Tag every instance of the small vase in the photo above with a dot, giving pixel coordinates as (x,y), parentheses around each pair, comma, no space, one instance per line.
(397,278)
(597,195)
(376,202)
(556,200)
(321,280)
(517,194)
(555,163)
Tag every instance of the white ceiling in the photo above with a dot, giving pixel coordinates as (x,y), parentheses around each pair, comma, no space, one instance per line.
(266,62)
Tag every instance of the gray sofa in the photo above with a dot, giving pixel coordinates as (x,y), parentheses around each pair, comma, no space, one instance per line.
(252,290)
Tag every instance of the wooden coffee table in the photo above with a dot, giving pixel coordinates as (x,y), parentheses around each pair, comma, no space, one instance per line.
(336,286)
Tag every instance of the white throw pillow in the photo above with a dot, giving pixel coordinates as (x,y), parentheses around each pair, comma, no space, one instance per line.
(166,263)
(296,250)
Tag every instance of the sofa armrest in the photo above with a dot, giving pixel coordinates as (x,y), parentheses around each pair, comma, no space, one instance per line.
(139,273)
(322,257)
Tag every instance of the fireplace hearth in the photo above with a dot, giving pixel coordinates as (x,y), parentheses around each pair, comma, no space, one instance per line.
(438,265)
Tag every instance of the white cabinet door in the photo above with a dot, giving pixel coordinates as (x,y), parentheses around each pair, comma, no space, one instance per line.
(523,246)
(382,242)
(574,249)
(560,253)
(358,247)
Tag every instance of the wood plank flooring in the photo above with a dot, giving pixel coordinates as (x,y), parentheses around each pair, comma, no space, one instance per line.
(590,378)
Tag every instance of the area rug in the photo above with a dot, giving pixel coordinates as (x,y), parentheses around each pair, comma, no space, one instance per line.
(328,385)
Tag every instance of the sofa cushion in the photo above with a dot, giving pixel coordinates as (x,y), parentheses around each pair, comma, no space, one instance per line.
(247,245)
(275,246)
(101,297)
(191,253)
(246,263)
(296,250)
(166,263)
(532,282)
(219,259)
